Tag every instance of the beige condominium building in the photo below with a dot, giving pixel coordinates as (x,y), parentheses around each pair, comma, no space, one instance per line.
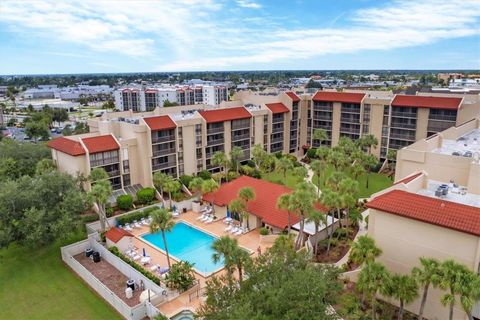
(433,209)
(131,146)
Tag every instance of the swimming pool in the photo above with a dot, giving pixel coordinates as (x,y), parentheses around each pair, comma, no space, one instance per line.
(188,244)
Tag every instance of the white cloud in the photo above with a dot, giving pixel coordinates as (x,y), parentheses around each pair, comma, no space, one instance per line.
(248,4)
(199,34)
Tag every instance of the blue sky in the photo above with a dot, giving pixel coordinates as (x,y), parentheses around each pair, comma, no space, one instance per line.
(48,36)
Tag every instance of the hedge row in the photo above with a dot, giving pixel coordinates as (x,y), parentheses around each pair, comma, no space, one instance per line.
(146,273)
(145,195)
(137,215)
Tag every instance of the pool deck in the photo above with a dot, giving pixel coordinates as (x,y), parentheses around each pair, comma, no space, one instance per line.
(250,241)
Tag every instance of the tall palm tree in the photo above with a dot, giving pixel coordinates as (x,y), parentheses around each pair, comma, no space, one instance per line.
(220,159)
(368,161)
(427,275)
(368,141)
(283,165)
(469,292)
(162,220)
(317,167)
(159,180)
(404,288)
(303,199)
(196,186)
(233,255)
(223,247)
(300,172)
(451,276)
(371,280)
(364,250)
(210,186)
(320,135)
(330,199)
(317,218)
(99,193)
(246,194)
(238,206)
(258,156)
(235,154)
(284,202)
(171,186)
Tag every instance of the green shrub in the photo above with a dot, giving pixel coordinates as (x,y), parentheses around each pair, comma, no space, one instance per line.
(250,163)
(145,195)
(180,276)
(232,175)
(278,155)
(205,175)
(137,215)
(263,231)
(109,211)
(146,273)
(312,153)
(89,218)
(185,180)
(125,202)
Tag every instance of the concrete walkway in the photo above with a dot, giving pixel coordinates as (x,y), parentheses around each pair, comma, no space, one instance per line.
(309,177)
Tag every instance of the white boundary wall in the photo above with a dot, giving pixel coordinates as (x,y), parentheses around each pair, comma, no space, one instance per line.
(137,312)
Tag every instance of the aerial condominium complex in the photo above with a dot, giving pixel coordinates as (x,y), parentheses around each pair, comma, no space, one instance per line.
(131,146)
(149,98)
(433,209)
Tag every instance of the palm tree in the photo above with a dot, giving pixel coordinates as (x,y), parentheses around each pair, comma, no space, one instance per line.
(220,159)
(162,220)
(300,171)
(317,218)
(284,202)
(364,250)
(210,186)
(469,292)
(317,167)
(233,255)
(451,276)
(235,154)
(196,186)
(404,288)
(369,161)
(368,141)
(258,156)
(320,135)
(159,180)
(330,199)
(171,186)
(283,165)
(99,193)
(371,280)
(427,275)
(246,194)
(302,199)
(238,206)
(223,247)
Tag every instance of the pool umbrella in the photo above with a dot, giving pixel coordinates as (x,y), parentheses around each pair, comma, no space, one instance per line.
(228,215)
(144,253)
(174,208)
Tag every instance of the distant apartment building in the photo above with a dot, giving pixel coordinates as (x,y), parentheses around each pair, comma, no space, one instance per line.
(139,99)
(433,209)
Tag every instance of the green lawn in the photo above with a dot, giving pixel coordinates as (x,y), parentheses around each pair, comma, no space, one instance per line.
(376,182)
(36,284)
(277,177)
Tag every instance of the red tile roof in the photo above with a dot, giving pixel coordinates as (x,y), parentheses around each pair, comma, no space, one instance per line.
(430,210)
(160,123)
(427,102)
(151,91)
(293,96)
(409,178)
(277,107)
(116,234)
(68,146)
(225,114)
(345,97)
(265,204)
(100,143)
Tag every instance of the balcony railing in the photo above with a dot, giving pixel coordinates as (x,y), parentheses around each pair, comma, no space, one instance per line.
(160,166)
(403,125)
(103,162)
(350,131)
(163,139)
(240,127)
(113,173)
(164,152)
(215,142)
(402,137)
(240,137)
(277,128)
(277,139)
(404,114)
(215,130)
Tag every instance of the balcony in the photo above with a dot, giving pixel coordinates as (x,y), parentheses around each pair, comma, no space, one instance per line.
(113,173)
(402,136)
(240,127)
(103,162)
(276,139)
(164,165)
(163,139)
(240,137)
(403,126)
(276,148)
(215,142)
(277,128)
(215,130)
(401,114)
(163,152)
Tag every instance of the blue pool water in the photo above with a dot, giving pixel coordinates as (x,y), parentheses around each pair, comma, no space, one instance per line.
(188,244)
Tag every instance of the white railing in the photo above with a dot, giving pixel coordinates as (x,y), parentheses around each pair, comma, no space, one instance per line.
(137,312)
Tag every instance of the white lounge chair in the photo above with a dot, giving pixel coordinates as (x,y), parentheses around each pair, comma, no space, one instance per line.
(128,227)
(144,222)
(136,257)
(205,218)
(136,224)
(155,267)
(234,230)
(205,209)
(227,229)
(175,214)
(239,231)
(209,220)
(202,216)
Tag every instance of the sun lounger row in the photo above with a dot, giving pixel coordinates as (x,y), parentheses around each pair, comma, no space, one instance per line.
(137,224)
(236,230)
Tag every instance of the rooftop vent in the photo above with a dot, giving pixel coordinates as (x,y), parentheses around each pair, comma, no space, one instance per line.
(468,154)
(456,153)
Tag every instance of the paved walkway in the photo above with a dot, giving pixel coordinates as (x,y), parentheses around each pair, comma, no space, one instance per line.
(309,177)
